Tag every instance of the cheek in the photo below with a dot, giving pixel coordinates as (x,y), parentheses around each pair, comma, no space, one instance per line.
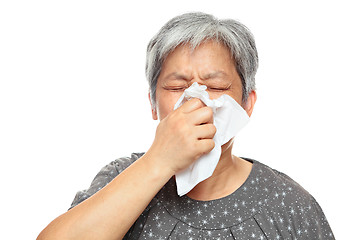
(171,99)
(215,95)
(166,103)
(236,96)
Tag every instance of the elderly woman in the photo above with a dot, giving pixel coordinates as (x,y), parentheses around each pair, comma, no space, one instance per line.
(136,198)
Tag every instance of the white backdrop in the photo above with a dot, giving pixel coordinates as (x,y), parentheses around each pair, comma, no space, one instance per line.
(73,97)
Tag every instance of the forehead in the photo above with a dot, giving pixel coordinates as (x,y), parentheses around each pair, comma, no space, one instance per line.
(208,56)
(206,47)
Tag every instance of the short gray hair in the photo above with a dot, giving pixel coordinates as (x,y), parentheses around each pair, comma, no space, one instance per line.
(194,29)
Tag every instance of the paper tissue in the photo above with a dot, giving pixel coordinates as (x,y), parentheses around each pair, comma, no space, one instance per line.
(229,117)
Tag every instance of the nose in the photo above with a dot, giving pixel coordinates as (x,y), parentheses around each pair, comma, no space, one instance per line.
(198,81)
(203,86)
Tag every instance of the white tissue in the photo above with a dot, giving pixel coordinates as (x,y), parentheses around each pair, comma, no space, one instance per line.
(229,117)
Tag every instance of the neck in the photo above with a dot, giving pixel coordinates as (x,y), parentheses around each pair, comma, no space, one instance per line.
(230,173)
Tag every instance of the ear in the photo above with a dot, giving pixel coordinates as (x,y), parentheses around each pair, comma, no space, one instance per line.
(153,109)
(249,106)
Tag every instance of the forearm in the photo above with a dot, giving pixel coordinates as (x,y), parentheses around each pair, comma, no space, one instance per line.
(110,213)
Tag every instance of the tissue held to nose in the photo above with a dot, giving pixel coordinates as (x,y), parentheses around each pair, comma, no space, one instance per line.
(228,118)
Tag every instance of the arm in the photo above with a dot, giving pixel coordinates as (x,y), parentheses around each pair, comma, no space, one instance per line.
(94,219)
(110,212)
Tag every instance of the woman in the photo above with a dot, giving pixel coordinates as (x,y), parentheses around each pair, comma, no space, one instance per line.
(135,198)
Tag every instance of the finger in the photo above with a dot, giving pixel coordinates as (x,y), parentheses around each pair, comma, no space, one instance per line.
(201,116)
(191,105)
(205,145)
(205,131)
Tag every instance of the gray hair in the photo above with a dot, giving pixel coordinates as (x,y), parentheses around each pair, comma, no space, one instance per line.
(195,28)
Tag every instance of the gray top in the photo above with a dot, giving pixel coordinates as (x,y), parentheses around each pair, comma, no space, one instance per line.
(269,205)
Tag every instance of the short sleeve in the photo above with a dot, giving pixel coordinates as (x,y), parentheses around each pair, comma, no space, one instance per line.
(105,176)
(320,228)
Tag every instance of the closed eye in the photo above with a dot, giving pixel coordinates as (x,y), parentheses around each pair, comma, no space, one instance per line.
(175,88)
(218,89)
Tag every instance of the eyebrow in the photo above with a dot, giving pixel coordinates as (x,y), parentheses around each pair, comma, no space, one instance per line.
(214,75)
(177,75)
(181,76)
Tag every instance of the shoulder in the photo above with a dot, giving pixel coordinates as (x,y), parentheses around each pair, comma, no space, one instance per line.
(283,190)
(280,182)
(122,163)
(114,168)
(292,208)
(105,175)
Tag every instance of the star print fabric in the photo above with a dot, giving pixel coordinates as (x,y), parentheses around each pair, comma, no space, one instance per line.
(269,205)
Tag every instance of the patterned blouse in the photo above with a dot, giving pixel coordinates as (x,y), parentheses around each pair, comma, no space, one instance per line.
(269,205)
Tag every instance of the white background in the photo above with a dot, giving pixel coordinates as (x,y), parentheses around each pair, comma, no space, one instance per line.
(73,97)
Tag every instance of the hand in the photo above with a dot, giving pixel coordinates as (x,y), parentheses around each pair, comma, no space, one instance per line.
(183,136)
